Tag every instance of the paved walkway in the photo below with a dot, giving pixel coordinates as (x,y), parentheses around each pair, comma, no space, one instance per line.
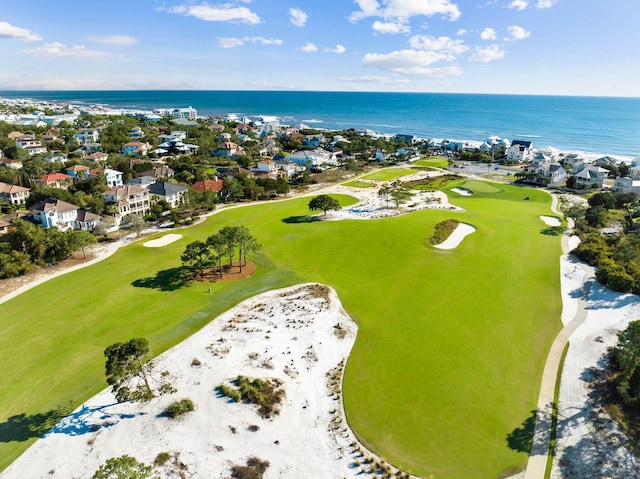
(537,464)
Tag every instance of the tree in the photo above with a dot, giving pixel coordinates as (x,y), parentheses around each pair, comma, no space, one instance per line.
(385,193)
(218,245)
(134,223)
(128,365)
(80,239)
(626,357)
(324,203)
(124,467)
(230,235)
(198,255)
(398,193)
(246,244)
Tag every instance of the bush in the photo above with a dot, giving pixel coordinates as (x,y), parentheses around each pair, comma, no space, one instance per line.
(254,469)
(266,394)
(442,231)
(162,458)
(179,408)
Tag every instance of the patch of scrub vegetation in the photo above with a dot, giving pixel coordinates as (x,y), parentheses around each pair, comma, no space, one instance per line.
(443,230)
(264,393)
(254,469)
(179,408)
(434,183)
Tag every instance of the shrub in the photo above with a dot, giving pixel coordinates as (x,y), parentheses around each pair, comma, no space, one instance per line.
(254,469)
(162,458)
(179,408)
(266,394)
(443,230)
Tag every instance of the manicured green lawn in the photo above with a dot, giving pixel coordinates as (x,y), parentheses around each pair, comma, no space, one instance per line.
(387,174)
(433,161)
(451,344)
(359,184)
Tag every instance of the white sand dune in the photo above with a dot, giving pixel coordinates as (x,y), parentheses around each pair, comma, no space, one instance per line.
(300,336)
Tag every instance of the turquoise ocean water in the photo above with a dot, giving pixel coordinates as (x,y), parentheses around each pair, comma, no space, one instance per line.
(598,125)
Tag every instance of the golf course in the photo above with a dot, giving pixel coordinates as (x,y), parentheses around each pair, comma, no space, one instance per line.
(451,344)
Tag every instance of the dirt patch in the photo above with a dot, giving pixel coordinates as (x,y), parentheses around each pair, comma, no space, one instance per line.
(229,273)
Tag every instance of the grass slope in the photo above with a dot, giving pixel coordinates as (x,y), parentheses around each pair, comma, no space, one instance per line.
(451,345)
(387,174)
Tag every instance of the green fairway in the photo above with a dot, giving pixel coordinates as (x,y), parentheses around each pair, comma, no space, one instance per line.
(449,353)
(359,184)
(433,162)
(387,174)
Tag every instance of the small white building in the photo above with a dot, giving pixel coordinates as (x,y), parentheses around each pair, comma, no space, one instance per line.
(627,185)
(519,151)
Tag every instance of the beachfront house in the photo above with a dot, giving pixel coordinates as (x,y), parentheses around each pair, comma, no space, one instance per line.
(627,185)
(590,177)
(13,194)
(520,151)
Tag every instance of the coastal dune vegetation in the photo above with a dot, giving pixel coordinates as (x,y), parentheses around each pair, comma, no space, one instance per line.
(450,349)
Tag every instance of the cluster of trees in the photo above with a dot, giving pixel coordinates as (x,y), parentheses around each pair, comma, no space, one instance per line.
(229,241)
(617,257)
(27,244)
(625,362)
(395,192)
(243,187)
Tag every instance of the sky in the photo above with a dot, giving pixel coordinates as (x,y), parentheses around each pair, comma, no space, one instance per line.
(542,47)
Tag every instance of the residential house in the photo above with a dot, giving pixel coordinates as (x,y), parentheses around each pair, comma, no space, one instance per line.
(287,167)
(142,181)
(591,177)
(208,185)
(53,212)
(317,158)
(162,171)
(79,172)
(13,164)
(187,113)
(56,156)
(228,149)
(13,194)
(87,135)
(169,192)
(56,180)
(98,157)
(269,147)
(31,145)
(553,171)
(266,166)
(136,133)
(627,185)
(216,128)
(128,199)
(14,135)
(135,148)
(113,178)
(573,162)
(494,144)
(51,136)
(519,151)
(4,226)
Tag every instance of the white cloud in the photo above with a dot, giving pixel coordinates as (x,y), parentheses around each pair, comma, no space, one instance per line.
(519,4)
(518,33)
(118,40)
(405,9)
(438,44)
(487,54)
(545,3)
(16,33)
(309,47)
(339,49)
(489,34)
(390,27)
(461,32)
(57,49)
(380,79)
(412,63)
(217,13)
(297,17)
(230,42)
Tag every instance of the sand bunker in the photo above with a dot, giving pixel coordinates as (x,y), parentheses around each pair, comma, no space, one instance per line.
(300,336)
(551,220)
(462,191)
(164,241)
(456,237)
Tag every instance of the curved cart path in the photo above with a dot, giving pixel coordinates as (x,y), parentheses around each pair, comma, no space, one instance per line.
(537,463)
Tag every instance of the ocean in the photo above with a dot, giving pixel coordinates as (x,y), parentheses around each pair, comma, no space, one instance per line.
(595,126)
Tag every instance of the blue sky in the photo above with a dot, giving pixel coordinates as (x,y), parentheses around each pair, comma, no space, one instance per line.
(557,47)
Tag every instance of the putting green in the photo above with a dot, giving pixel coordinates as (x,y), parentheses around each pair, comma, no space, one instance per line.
(433,162)
(449,353)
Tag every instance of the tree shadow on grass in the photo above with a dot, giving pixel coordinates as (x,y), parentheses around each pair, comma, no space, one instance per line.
(300,219)
(21,427)
(553,231)
(521,438)
(166,280)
